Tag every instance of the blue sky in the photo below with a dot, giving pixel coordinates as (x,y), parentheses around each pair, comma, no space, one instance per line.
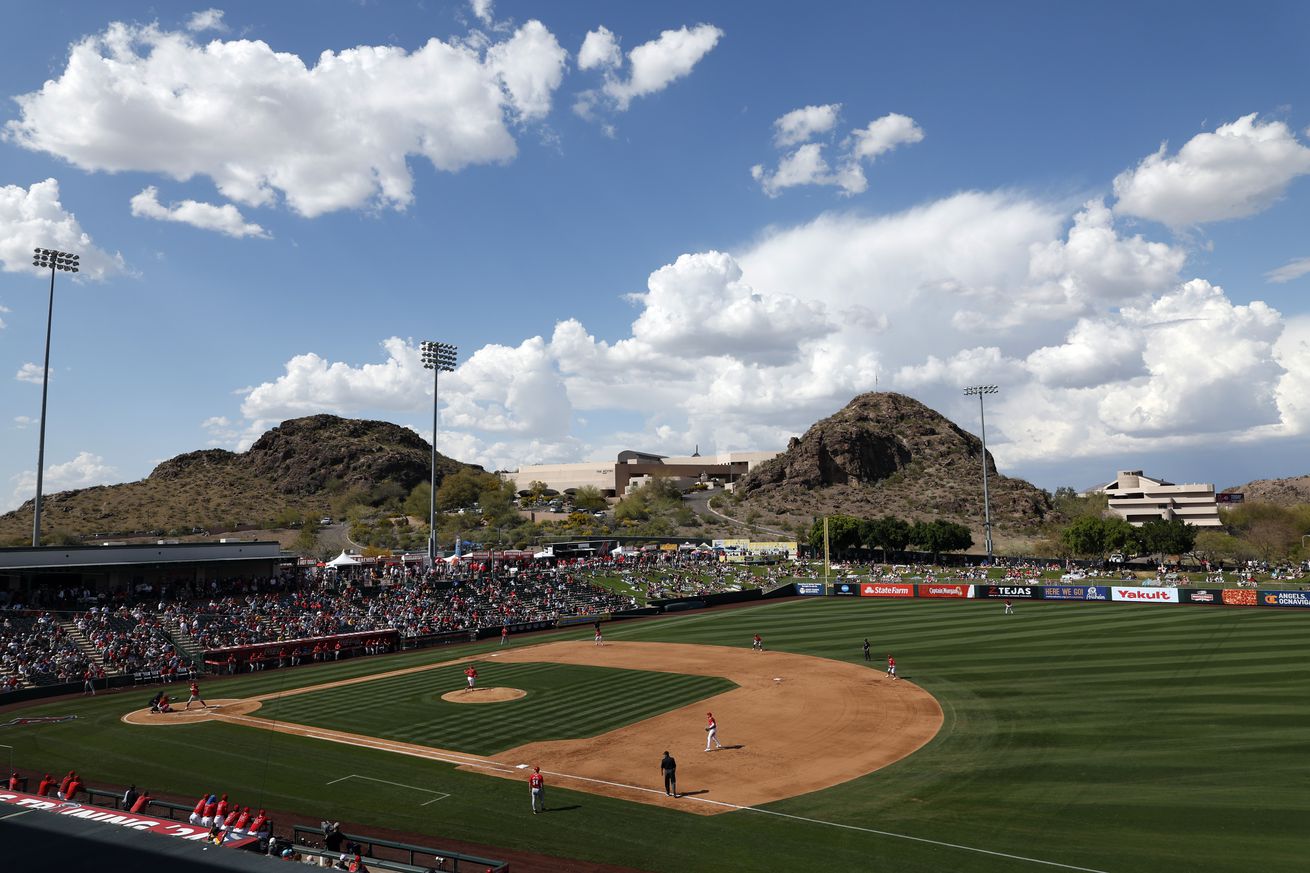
(659,225)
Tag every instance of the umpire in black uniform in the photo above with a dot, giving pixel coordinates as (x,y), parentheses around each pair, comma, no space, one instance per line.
(669,768)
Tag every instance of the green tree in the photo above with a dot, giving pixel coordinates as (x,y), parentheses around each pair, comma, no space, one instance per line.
(1085,536)
(843,534)
(460,490)
(939,536)
(888,533)
(417,503)
(589,499)
(1172,537)
(306,542)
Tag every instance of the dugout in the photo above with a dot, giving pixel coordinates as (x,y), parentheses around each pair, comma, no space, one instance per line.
(35,576)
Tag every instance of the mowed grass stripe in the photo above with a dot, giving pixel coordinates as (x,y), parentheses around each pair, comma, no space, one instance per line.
(563,702)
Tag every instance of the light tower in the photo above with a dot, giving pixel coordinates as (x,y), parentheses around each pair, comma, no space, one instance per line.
(982,390)
(41,259)
(436,357)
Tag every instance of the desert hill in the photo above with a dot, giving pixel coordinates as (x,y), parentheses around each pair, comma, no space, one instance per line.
(1291,491)
(298,467)
(888,454)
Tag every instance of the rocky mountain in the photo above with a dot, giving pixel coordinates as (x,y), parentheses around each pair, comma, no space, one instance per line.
(1283,492)
(886,453)
(300,466)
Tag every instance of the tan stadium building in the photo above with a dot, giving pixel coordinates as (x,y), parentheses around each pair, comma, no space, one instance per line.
(1138,499)
(612,478)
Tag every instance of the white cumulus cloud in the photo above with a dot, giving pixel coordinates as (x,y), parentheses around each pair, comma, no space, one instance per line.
(652,66)
(808,164)
(32,218)
(208,19)
(801,125)
(1238,170)
(31,373)
(262,124)
(83,471)
(225,219)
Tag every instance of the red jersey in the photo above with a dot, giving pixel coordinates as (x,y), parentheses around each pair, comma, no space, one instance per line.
(141,802)
(44,788)
(535,781)
(195,690)
(200,806)
(13,782)
(712,722)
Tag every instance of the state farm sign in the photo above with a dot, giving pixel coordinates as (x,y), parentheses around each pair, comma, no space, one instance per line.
(1144,595)
(885,589)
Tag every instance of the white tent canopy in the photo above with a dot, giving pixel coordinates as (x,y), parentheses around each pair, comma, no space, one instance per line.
(343,560)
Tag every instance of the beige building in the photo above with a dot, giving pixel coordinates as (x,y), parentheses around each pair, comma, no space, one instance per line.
(611,478)
(1139,499)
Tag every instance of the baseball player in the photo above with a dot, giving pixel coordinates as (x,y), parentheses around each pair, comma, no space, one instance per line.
(712,733)
(600,640)
(757,643)
(537,788)
(195,695)
(504,634)
(891,667)
(867,656)
(1009,607)
(471,674)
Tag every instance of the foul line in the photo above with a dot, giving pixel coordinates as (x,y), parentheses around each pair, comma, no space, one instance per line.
(443,794)
(464,760)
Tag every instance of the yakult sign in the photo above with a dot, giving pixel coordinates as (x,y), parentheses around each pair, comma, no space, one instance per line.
(1144,595)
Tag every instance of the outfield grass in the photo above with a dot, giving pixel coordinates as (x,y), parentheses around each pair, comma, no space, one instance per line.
(563,702)
(1108,737)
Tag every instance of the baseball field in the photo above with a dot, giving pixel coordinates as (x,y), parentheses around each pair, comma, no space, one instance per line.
(1076,736)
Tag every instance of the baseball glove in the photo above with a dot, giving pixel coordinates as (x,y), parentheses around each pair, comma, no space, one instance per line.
(707,729)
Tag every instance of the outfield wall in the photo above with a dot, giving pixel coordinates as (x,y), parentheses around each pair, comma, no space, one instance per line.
(1244,597)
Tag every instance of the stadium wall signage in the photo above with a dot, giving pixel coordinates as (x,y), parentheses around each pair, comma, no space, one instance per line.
(810,589)
(943,590)
(1239,597)
(1014,592)
(846,589)
(1076,592)
(886,589)
(1284,598)
(1211,596)
(1144,595)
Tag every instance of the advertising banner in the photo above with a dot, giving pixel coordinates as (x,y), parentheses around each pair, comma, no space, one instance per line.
(1212,596)
(846,589)
(1239,597)
(1076,592)
(810,589)
(137,822)
(886,589)
(1236,497)
(1143,595)
(942,590)
(1013,592)
(1284,598)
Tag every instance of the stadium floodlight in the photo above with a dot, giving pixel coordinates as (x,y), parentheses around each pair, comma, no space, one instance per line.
(980,391)
(436,357)
(54,261)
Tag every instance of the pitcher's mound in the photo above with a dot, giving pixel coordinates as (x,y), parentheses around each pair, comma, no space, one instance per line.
(484,695)
(194,714)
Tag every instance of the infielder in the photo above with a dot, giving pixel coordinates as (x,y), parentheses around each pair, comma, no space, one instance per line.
(537,788)
(757,644)
(712,733)
(891,667)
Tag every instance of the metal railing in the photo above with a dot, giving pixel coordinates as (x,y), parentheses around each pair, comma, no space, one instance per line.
(415,857)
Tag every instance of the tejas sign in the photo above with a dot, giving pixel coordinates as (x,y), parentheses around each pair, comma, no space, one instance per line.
(1144,595)
(1015,592)
(885,589)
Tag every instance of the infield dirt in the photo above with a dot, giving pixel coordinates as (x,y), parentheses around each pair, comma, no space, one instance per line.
(794,724)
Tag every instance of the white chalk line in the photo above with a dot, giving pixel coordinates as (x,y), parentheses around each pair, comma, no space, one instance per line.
(470,761)
(443,794)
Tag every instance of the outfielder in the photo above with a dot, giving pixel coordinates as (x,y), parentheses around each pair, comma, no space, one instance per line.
(712,733)
(537,788)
